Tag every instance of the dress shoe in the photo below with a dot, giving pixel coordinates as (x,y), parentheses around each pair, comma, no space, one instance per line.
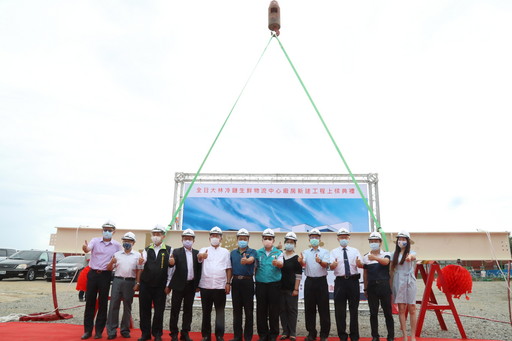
(284,337)
(309,338)
(206,338)
(323,339)
(391,339)
(219,338)
(158,338)
(144,338)
(111,337)
(86,335)
(126,335)
(184,337)
(375,339)
(97,336)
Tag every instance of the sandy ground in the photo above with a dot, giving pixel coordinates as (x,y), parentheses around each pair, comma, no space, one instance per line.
(488,300)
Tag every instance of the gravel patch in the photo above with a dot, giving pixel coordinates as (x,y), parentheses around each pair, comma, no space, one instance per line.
(489,300)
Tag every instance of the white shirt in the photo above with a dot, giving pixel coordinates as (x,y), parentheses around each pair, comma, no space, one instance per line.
(126,263)
(213,273)
(190,264)
(352,254)
(314,269)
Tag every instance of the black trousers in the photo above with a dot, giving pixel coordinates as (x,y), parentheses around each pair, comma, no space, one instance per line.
(98,286)
(380,292)
(210,297)
(346,290)
(187,297)
(267,310)
(151,296)
(242,294)
(316,294)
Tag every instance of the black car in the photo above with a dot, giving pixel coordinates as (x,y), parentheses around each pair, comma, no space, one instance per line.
(67,268)
(27,264)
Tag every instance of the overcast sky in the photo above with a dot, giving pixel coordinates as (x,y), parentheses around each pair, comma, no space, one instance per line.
(101,102)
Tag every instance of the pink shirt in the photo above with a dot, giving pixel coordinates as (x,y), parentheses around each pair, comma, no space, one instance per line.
(102,252)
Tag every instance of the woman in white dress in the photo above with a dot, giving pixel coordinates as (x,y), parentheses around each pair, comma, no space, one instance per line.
(404,282)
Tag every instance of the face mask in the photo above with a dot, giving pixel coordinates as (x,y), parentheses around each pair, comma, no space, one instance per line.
(215,241)
(343,242)
(156,239)
(402,244)
(267,243)
(188,243)
(374,246)
(243,244)
(314,242)
(127,246)
(289,247)
(107,234)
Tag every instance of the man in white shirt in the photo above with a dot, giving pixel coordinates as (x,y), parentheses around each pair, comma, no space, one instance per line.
(316,291)
(346,286)
(214,285)
(125,263)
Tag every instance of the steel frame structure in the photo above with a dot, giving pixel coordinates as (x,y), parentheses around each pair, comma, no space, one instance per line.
(181,179)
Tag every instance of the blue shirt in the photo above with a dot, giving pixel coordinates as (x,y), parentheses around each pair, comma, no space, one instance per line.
(237,267)
(314,269)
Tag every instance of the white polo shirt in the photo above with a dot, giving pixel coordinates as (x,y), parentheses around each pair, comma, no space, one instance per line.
(213,273)
(126,263)
(352,254)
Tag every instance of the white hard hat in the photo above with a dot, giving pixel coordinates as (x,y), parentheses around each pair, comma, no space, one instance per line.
(268,233)
(343,231)
(189,233)
(109,223)
(129,236)
(242,232)
(403,234)
(375,235)
(291,236)
(315,231)
(158,228)
(215,229)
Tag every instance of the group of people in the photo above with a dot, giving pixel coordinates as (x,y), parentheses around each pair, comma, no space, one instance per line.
(272,274)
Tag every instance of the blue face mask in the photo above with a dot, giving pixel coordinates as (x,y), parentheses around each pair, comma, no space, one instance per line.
(107,234)
(127,246)
(343,242)
(314,242)
(243,244)
(289,246)
(374,246)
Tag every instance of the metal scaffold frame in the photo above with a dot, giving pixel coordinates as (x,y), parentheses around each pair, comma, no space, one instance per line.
(182,179)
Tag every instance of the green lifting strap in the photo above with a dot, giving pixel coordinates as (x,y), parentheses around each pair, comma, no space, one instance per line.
(370,210)
(182,201)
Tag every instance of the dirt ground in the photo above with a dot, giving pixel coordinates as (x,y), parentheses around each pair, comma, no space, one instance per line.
(488,307)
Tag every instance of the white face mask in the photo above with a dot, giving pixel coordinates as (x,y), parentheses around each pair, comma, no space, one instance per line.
(374,246)
(156,239)
(267,243)
(215,241)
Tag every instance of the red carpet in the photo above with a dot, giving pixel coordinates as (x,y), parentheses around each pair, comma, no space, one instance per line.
(21,331)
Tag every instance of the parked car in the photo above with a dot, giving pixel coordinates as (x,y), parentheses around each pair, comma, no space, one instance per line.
(4,253)
(67,268)
(27,264)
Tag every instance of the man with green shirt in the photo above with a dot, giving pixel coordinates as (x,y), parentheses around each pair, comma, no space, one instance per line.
(269,261)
